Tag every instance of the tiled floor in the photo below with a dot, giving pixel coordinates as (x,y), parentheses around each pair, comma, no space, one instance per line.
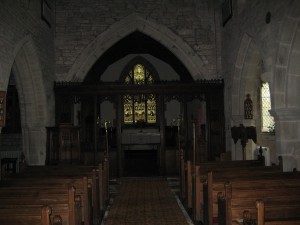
(145,201)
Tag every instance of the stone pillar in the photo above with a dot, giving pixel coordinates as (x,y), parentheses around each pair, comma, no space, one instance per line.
(288,137)
(34,145)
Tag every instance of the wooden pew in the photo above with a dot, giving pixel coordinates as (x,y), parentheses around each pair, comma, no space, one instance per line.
(28,216)
(97,195)
(61,200)
(215,183)
(102,170)
(193,187)
(281,197)
(187,172)
(283,206)
(80,185)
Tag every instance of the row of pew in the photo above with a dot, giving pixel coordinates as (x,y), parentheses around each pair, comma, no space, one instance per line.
(240,192)
(55,195)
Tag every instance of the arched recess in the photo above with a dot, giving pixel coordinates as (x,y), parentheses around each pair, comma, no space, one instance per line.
(28,75)
(286,107)
(286,71)
(246,80)
(128,25)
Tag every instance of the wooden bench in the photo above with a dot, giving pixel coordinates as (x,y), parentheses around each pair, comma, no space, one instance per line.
(28,216)
(42,177)
(215,183)
(237,201)
(102,172)
(94,192)
(283,206)
(79,183)
(187,172)
(61,200)
(192,184)
(94,199)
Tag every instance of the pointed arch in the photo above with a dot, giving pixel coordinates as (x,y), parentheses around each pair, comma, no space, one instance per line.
(32,98)
(286,72)
(128,25)
(248,68)
(286,81)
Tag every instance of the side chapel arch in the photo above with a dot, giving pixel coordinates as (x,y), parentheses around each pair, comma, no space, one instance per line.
(28,75)
(248,68)
(246,80)
(285,72)
(285,95)
(128,25)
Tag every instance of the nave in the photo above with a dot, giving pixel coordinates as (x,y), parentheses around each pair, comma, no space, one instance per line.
(148,201)
(234,192)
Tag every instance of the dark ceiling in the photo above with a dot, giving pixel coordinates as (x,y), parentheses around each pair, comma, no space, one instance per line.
(136,43)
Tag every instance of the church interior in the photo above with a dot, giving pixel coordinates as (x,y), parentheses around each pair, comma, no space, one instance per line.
(149,112)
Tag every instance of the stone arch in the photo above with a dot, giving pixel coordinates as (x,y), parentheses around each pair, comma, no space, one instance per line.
(248,68)
(246,80)
(32,99)
(286,77)
(286,71)
(121,29)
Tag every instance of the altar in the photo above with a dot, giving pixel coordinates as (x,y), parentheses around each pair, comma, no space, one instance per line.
(141,151)
(140,139)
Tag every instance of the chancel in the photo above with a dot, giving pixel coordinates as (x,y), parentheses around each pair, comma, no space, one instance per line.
(149,112)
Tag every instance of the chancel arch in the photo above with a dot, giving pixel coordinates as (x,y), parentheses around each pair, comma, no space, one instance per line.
(161,75)
(132,24)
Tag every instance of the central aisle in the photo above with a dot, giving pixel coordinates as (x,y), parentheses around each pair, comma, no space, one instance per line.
(145,201)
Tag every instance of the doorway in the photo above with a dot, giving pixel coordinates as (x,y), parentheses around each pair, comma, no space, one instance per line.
(141,163)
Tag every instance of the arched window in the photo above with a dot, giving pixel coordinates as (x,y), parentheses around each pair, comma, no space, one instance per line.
(267,120)
(139,108)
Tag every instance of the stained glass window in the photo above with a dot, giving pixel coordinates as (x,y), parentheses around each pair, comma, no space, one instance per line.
(267,119)
(128,109)
(139,108)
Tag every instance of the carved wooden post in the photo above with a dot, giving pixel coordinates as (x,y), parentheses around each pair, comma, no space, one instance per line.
(106,178)
(95,200)
(46,212)
(189,184)
(197,195)
(260,205)
(100,183)
(210,206)
(182,175)
(194,175)
(228,195)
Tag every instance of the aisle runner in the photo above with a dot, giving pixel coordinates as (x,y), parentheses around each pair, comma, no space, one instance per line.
(145,201)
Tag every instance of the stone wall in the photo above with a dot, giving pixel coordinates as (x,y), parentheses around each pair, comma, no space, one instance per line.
(256,50)
(19,19)
(79,23)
